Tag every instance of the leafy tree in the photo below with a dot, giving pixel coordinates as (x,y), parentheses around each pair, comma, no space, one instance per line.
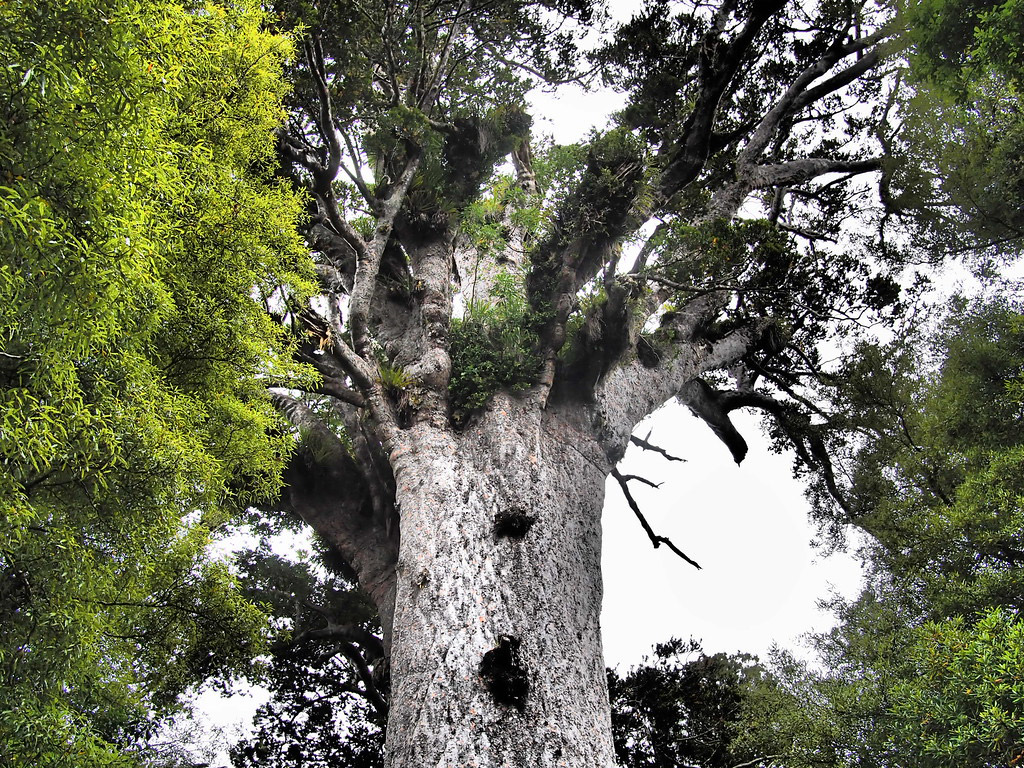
(963,707)
(963,131)
(922,668)
(139,221)
(325,705)
(933,461)
(682,707)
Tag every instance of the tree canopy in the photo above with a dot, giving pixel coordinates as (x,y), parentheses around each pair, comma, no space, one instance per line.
(139,218)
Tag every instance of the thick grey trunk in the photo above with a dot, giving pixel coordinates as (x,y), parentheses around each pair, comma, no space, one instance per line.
(496,656)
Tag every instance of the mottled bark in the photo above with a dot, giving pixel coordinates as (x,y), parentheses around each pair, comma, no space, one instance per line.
(465,590)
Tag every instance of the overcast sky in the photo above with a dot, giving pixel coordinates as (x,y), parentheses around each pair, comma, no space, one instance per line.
(747,527)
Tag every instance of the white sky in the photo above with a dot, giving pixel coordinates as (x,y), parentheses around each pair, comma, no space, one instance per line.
(747,526)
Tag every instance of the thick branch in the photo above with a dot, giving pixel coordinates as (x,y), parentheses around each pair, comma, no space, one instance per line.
(337,494)
(368,264)
(803,436)
(728,200)
(718,68)
(635,388)
(800,94)
(706,404)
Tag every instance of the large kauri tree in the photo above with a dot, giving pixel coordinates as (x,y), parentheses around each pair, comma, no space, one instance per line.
(497,315)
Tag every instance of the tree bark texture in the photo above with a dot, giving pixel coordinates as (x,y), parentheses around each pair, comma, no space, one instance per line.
(496,653)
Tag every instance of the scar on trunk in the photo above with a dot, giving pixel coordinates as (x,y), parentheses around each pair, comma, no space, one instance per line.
(513,523)
(504,675)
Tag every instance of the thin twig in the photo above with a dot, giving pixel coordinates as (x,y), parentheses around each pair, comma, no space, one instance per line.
(644,442)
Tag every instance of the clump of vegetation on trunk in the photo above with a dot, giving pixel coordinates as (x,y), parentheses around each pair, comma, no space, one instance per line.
(493,347)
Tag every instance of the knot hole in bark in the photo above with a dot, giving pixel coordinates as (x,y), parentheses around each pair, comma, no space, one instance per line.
(504,675)
(513,523)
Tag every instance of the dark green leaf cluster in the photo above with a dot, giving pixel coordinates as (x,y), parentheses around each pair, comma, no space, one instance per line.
(493,348)
(316,715)
(682,707)
(600,205)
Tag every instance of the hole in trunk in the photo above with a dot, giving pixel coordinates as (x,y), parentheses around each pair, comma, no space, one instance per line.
(513,523)
(504,675)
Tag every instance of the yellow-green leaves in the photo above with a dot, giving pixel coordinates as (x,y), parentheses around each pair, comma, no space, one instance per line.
(140,227)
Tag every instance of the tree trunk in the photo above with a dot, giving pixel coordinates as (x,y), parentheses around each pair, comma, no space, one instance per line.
(496,653)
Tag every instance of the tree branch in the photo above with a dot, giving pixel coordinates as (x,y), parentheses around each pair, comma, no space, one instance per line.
(656,540)
(368,265)
(644,443)
(718,68)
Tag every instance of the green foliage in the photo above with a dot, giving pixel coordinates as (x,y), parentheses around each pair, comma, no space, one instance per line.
(315,715)
(964,134)
(682,707)
(937,484)
(492,348)
(138,221)
(965,704)
(601,203)
(720,251)
(928,436)
(956,41)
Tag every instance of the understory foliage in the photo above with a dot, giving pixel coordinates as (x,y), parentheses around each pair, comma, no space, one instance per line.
(138,220)
(319,712)
(683,707)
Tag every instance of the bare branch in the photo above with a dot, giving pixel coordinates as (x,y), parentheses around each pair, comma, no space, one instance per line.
(656,540)
(644,480)
(644,442)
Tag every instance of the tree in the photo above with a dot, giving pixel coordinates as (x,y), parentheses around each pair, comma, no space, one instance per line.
(923,667)
(484,348)
(139,220)
(932,457)
(957,165)
(964,705)
(325,707)
(682,708)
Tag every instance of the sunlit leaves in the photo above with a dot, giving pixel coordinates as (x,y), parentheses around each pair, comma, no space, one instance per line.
(140,224)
